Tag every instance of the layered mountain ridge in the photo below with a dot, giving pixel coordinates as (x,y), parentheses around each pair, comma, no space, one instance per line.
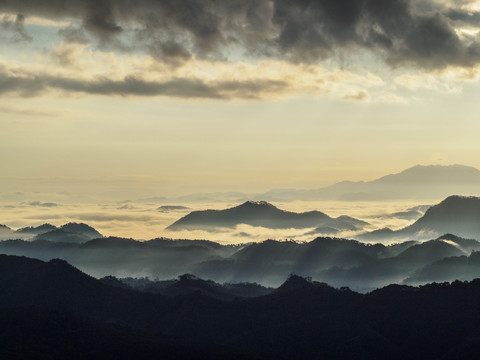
(301,319)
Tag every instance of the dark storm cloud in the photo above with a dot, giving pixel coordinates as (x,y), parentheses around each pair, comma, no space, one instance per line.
(35,84)
(412,32)
(73,34)
(99,18)
(464,17)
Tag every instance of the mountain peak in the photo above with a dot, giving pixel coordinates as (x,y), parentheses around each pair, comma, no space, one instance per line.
(456,202)
(188,277)
(456,214)
(420,167)
(260,213)
(438,173)
(459,198)
(295,282)
(38,230)
(260,203)
(81,228)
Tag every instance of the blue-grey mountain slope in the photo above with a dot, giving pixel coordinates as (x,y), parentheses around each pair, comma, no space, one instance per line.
(459,215)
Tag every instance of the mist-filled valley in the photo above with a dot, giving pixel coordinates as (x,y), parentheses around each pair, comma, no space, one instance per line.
(440,245)
(330,211)
(220,279)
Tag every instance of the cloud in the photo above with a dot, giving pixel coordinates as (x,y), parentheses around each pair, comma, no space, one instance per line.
(250,49)
(357,96)
(15,26)
(446,83)
(420,33)
(103,217)
(42,204)
(7,109)
(67,54)
(35,84)
(464,17)
(139,76)
(99,18)
(390,98)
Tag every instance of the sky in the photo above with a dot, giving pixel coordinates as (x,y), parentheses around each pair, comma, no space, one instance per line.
(121,99)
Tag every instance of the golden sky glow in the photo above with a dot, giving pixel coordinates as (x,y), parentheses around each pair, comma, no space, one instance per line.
(90,107)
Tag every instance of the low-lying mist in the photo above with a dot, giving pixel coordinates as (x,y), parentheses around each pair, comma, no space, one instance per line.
(148,220)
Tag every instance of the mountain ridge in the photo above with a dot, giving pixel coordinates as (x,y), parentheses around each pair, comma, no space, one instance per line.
(304,320)
(417,182)
(455,214)
(261,213)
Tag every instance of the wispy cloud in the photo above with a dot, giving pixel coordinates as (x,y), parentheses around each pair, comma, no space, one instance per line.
(7,109)
(200,80)
(15,28)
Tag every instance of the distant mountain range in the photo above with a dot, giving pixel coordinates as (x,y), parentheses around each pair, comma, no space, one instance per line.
(458,215)
(420,182)
(262,213)
(52,310)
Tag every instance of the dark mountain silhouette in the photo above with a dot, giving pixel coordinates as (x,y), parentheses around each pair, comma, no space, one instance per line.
(38,249)
(338,262)
(465,267)
(446,269)
(261,213)
(302,319)
(69,233)
(270,262)
(81,229)
(188,284)
(295,283)
(376,235)
(60,235)
(4,228)
(162,258)
(40,332)
(138,284)
(459,215)
(168,208)
(37,230)
(430,251)
(6,232)
(404,261)
(456,214)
